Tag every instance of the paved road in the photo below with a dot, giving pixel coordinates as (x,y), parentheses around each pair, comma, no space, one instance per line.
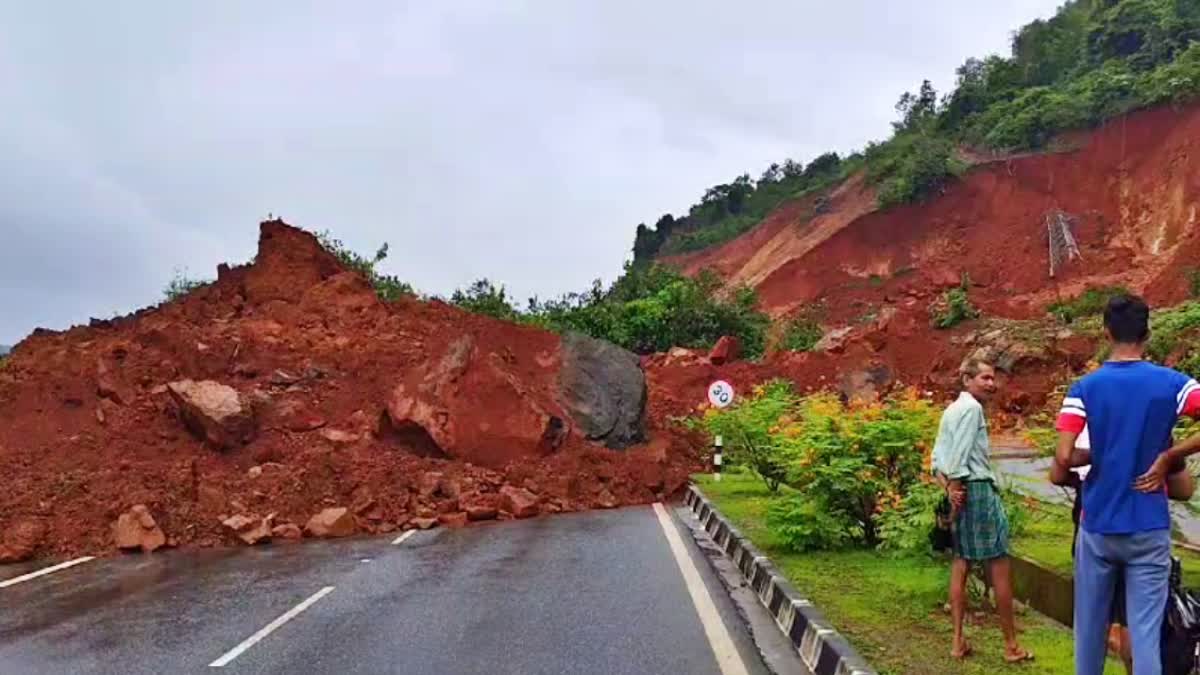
(1030,476)
(598,592)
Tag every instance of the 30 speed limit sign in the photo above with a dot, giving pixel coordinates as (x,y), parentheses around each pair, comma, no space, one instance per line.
(720,393)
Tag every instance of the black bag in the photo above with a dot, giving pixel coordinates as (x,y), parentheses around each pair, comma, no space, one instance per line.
(1181,627)
(940,537)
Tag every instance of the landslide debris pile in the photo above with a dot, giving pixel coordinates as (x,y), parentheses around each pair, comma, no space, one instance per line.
(286,400)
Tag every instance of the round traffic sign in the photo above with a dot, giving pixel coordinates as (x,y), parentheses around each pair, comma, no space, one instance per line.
(720,393)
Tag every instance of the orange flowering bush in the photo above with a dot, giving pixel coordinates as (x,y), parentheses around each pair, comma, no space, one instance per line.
(848,464)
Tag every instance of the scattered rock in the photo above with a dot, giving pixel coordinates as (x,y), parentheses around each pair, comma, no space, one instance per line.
(136,529)
(20,540)
(457,519)
(430,482)
(604,389)
(286,531)
(727,349)
(330,523)
(606,500)
(339,437)
(213,412)
(423,523)
(521,503)
(834,341)
(254,471)
(109,385)
(481,506)
(250,530)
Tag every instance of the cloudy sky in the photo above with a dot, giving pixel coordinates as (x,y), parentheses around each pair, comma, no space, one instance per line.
(522,141)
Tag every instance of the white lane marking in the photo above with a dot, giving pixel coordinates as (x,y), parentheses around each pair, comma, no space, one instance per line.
(270,628)
(400,540)
(44,571)
(719,639)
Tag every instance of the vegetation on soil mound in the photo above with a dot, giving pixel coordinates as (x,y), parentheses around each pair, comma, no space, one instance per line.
(1094,60)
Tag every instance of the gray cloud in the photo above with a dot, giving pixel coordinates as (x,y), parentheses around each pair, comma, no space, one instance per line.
(522,141)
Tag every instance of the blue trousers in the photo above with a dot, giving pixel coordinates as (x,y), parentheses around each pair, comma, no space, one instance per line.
(1145,560)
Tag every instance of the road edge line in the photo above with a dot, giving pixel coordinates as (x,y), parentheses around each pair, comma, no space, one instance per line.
(44,571)
(266,630)
(729,660)
(821,647)
(400,540)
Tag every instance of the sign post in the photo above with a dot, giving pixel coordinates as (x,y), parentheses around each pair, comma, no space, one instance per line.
(720,395)
(717,459)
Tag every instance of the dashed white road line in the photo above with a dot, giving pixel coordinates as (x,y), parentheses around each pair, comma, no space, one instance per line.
(400,540)
(44,571)
(270,628)
(726,653)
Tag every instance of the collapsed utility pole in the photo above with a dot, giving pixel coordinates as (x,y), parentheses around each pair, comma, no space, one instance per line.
(1063,247)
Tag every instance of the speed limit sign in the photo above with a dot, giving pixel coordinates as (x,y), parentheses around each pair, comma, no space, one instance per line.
(720,393)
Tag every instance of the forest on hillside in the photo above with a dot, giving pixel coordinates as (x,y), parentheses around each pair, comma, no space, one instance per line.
(1094,60)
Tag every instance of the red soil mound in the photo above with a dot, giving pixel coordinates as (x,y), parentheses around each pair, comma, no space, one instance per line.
(354,403)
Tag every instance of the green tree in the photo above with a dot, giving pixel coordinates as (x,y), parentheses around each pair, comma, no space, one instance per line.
(483,297)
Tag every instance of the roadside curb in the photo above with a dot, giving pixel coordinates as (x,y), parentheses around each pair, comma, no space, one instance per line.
(820,646)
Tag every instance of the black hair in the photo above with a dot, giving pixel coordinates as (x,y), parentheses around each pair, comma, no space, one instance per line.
(1127,318)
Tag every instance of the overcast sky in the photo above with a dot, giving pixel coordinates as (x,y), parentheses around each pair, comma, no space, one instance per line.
(522,141)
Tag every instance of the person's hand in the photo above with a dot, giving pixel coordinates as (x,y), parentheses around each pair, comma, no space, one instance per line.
(957,495)
(1154,479)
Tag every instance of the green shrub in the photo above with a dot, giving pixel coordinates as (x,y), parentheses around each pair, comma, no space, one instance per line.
(806,523)
(801,334)
(1193,276)
(747,428)
(953,307)
(181,284)
(911,167)
(653,308)
(1170,327)
(388,287)
(482,297)
(1089,303)
(848,464)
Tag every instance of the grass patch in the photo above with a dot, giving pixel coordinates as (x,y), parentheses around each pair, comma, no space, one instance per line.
(891,608)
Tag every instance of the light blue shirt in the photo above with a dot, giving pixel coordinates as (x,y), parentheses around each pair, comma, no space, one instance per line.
(962,451)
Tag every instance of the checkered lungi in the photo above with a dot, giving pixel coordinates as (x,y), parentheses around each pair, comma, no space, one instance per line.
(981,528)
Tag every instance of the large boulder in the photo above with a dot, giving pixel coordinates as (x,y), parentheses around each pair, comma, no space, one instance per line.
(20,540)
(214,412)
(476,405)
(604,390)
(137,529)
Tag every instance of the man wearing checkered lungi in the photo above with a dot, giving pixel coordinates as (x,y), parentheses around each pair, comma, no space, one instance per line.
(961,463)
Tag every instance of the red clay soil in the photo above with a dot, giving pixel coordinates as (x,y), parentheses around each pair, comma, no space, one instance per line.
(1134,186)
(88,428)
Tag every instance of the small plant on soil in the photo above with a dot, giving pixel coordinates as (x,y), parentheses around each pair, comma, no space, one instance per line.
(1089,303)
(181,284)
(801,334)
(953,307)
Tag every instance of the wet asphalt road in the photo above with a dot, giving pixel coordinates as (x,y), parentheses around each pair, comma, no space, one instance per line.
(583,593)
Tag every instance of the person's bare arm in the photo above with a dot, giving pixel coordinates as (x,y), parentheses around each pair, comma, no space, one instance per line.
(1181,485)
(1156,476)
(1062,475)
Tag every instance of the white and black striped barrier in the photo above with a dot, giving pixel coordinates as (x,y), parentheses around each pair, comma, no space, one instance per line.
(820,646)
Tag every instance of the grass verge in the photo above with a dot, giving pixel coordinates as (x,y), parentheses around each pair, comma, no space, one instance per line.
(890,608)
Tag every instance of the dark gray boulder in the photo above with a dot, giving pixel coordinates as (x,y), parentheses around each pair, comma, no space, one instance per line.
(604,389)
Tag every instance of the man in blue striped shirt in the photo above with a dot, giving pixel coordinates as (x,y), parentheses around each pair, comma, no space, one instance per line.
(1130,407)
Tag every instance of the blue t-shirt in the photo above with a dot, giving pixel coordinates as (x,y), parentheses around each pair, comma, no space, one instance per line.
(1130,408)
